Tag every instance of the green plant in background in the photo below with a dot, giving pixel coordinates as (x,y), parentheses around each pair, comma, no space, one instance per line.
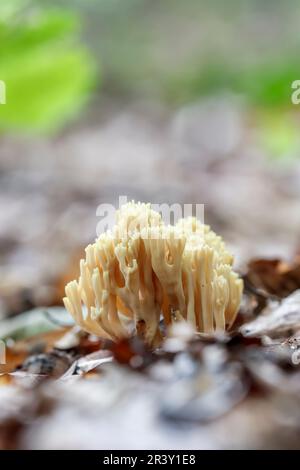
(279,134)
(172,51)
(264,87)
(48,73)
(179,52)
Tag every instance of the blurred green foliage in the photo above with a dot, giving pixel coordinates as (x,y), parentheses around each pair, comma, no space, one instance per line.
(279,134)
(261,85)
(170,50)
(47,72)
(179,51)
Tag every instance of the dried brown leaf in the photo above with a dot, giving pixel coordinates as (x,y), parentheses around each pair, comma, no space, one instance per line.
(274,276)
(277,319)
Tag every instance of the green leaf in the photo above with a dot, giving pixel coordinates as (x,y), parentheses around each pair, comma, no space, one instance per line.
(279,134)
(48,75)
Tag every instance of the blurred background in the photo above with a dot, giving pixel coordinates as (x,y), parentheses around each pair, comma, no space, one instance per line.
(162,101)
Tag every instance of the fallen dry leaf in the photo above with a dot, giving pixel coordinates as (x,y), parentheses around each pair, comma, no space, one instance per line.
(278,318)
(275,276)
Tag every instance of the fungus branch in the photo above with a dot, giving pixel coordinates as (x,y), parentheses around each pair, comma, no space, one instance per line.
(144,268)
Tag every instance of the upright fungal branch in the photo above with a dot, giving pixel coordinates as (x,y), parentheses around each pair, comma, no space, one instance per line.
(143,269)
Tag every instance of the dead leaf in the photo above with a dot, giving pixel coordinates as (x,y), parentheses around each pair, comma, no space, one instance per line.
(90,362)
(275,276)
(277,319)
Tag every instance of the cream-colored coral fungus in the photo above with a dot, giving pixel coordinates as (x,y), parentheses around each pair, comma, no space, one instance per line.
(144,269)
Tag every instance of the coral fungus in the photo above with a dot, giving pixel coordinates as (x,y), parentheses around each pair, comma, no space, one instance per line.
(143,269)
